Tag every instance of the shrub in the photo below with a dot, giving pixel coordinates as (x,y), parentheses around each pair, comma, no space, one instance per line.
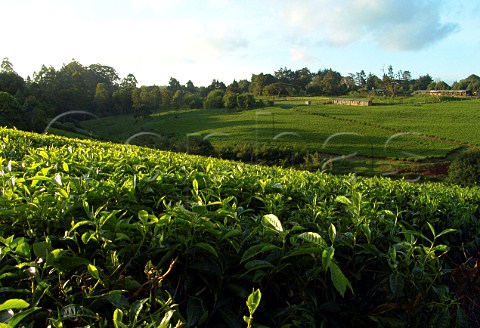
(465,170)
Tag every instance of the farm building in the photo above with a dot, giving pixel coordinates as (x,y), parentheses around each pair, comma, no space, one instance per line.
(452,93)
(352,102)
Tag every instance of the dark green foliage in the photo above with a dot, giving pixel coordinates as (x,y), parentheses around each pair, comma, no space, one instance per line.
(465,170)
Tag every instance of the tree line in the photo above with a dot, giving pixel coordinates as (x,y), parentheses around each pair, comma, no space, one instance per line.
(98,89)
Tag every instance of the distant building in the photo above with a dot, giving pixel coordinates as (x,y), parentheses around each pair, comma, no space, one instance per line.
(451,93)
(352,102)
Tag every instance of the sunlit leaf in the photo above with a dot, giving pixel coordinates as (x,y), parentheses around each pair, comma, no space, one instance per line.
(313,237)
(271,221)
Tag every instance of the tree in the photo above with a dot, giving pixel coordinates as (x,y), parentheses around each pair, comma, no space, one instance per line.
(9,110)
(6,66)
(243,86)
(285,75)
(178,99)
(214,99)
(106,75)
(11,82)
(230,100)
(102,99)
(331,84)
(190,87)
(260,81)
(302,78)
(373,82)
(392,81)
(438,85)
(74,89)
(471,83)
(193,100)
(246,101)
(122,100)
(360,79)
(276,89)
(233,87)
(129,81)
(146,99)
(174,85)
(421,83)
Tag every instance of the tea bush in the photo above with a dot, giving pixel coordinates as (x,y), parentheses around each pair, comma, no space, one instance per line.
(465,170)
(103,234)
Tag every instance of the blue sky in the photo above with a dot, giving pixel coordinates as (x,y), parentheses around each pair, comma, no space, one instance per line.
(201,40)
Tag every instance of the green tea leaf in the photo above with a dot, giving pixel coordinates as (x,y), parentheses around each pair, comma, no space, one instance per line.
(253,300)
(257,249)
(396,283)
(446,231)
(231,233)
(135,310)
(366,231)
(165,323)
(14,303)
(195,309)
(327,256)
(258,264)
(207,247)
(343,200)
(92,269)
(23,250)
(117,319)
(339,280)
(18,317)
(332,232)
(271,221)
(313,237)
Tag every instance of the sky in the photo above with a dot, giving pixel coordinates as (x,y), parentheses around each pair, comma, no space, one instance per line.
(202,40)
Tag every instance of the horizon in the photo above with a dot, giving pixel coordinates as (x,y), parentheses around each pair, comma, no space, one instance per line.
(225,40)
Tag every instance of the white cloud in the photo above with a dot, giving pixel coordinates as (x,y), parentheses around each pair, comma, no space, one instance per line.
(392,24)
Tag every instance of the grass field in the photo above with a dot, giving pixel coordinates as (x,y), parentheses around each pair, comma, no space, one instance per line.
(407,131)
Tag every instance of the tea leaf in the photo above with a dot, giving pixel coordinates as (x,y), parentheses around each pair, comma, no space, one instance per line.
(339,280)
(13,303)
(257,249)
(271,221)
(253,300)
(209,248)
(313,237)
(343,200)
(92,269)
(327,256)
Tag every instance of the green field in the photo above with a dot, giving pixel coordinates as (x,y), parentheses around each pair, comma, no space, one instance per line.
(379,136)
(110,235)
(402,131)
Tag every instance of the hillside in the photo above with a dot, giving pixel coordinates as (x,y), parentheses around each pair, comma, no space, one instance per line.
(407,135)
(103,234)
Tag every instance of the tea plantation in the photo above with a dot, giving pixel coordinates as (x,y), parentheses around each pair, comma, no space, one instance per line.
(109,235)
